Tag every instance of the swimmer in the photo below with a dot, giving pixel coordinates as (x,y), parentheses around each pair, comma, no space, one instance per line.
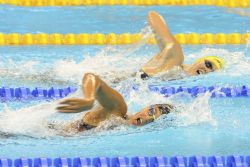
(171,54)
(111,104)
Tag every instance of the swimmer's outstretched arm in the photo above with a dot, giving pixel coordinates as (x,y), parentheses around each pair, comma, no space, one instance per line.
(95,89)
(73,105)
(170,50)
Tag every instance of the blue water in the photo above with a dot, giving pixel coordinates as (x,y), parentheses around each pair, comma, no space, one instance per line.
(118,19)
(202,125)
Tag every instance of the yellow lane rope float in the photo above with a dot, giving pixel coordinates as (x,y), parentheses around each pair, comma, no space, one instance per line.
(117,39)
(225,3)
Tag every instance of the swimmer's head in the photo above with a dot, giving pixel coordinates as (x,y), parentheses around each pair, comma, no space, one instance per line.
(217,61)
(149,114)
(205,65)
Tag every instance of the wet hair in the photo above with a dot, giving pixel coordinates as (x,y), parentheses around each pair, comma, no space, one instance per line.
(165,108)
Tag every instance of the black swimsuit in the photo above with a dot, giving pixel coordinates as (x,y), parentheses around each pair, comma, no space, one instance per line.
(144,75)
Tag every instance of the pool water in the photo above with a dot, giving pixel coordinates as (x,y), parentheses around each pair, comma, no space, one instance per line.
(201,126)
(119,19)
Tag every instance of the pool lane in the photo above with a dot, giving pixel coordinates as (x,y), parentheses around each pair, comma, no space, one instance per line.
(119,19)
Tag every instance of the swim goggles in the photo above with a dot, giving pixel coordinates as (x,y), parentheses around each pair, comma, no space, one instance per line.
(152,111)
(217,61)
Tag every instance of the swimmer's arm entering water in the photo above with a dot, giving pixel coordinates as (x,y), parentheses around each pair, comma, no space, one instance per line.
(111,102)
(74,105)
(170,50)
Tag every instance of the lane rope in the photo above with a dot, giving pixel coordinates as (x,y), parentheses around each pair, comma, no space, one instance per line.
(222,3)
(117,39)
(122,161)
(22,93)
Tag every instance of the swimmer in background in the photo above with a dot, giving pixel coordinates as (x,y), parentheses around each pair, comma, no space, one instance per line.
(111,104)
(171,54)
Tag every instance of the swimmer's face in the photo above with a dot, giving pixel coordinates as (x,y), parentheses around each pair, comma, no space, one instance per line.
(202,67)
(144,116)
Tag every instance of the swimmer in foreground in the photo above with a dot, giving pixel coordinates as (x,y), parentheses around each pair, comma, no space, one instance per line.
(171,54)
(111,104)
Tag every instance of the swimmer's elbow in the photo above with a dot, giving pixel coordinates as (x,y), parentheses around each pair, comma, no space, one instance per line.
(178,55)
(181,60)
(180,52)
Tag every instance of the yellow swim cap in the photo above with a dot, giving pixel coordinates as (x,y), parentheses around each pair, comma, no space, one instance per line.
(217,61)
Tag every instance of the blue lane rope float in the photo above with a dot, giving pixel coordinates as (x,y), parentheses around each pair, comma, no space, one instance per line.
(42,162)
(243,91)
(63,162)
(138,161)
(23,162)
(120,161)
(37,93)
(23,93)
(81,161)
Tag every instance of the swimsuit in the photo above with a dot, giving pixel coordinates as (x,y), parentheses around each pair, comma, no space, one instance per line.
(144,75)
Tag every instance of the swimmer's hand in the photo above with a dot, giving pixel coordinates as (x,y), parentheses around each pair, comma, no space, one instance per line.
(75,105)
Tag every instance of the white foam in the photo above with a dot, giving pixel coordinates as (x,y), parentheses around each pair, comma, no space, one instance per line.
(194,112)
(111,63)
(28,121)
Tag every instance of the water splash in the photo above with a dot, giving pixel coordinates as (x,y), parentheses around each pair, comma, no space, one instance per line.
(29,121)
(29,72)
(193,111)
(33,121)
(108,63)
